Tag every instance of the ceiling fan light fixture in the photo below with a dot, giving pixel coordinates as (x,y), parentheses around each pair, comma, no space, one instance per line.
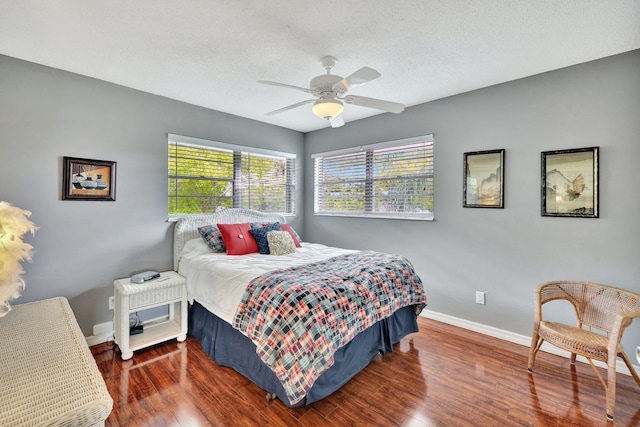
(330,91)
(327,108)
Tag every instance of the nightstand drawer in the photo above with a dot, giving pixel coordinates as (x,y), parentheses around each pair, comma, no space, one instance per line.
(155,296)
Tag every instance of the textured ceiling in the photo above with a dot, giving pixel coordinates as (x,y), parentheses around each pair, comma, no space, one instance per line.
(211,52)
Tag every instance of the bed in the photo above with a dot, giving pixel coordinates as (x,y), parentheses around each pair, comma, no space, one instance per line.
(308,328)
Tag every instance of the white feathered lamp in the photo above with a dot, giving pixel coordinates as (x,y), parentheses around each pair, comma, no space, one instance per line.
(14,223)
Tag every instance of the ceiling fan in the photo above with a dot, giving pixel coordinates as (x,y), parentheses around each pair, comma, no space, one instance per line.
(331,91)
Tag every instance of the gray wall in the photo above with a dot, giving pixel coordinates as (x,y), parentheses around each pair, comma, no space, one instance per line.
(507,252)
(82,246)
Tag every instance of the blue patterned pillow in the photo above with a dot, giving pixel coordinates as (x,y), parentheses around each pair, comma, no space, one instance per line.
(212,237)
(260,224)
(285,227)
(260,234)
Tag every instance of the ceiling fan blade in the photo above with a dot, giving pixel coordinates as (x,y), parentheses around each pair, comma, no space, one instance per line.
(379,104)
(267,82)
(360,77)
(291,107)
(336,121)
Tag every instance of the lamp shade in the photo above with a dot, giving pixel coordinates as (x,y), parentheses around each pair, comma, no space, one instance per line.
(327,108)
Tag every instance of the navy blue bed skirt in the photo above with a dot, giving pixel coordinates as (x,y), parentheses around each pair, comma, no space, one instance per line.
(228,347)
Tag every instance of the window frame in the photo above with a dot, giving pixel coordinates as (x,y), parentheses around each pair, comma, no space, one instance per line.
(369,180)
(239,155)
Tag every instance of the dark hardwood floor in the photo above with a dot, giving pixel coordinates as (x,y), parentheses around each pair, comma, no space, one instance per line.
(441,376)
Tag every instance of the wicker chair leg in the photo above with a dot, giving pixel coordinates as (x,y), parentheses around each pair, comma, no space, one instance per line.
(634,374)
(597,372)
(611,386)
(536,342)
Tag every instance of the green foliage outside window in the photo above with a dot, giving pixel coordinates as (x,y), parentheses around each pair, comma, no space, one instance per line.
(203,179)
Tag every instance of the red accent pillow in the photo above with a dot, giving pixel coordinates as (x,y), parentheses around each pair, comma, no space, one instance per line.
(238,239)
(287,228)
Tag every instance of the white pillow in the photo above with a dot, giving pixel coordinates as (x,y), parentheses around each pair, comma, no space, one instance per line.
(195,247)
(191,249)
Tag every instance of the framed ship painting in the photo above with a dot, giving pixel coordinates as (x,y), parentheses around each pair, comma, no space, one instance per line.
(85,179)
(570,183)
(483,180)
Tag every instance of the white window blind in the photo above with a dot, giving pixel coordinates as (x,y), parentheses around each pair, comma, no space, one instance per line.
(390,180)
(205,175)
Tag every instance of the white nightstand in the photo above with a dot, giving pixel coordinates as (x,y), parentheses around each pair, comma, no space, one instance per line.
(132,297)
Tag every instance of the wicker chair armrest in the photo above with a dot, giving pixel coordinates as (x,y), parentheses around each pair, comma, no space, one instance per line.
(540,298)
(632,315)
(625,319)
(537,304)
(622,321)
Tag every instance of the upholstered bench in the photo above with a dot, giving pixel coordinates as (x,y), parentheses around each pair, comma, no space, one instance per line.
(48,375)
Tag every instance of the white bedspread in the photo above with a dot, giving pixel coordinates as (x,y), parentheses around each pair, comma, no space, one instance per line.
(217,280)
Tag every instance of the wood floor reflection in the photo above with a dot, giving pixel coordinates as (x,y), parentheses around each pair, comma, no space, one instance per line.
(441,376)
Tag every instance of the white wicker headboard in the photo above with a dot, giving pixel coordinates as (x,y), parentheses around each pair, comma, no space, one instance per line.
(187,228)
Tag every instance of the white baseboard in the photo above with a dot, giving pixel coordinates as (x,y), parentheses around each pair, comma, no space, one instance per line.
(104,332)
(514,338)
(99,339)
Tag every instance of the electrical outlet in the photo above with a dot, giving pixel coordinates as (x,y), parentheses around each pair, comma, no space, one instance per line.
(479,297)
(112,302)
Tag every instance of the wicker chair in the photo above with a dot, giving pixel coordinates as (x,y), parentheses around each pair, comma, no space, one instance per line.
(600,307)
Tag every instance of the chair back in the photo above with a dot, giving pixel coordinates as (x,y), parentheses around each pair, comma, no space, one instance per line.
(596,305)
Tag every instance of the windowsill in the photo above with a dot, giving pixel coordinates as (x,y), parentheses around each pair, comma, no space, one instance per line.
(176,218)
(373,216)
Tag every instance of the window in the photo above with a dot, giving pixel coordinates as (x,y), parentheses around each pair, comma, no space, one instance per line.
(206,175)
(387,180)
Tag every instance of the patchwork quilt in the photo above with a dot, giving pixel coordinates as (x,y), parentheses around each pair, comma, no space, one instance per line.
(300,316)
